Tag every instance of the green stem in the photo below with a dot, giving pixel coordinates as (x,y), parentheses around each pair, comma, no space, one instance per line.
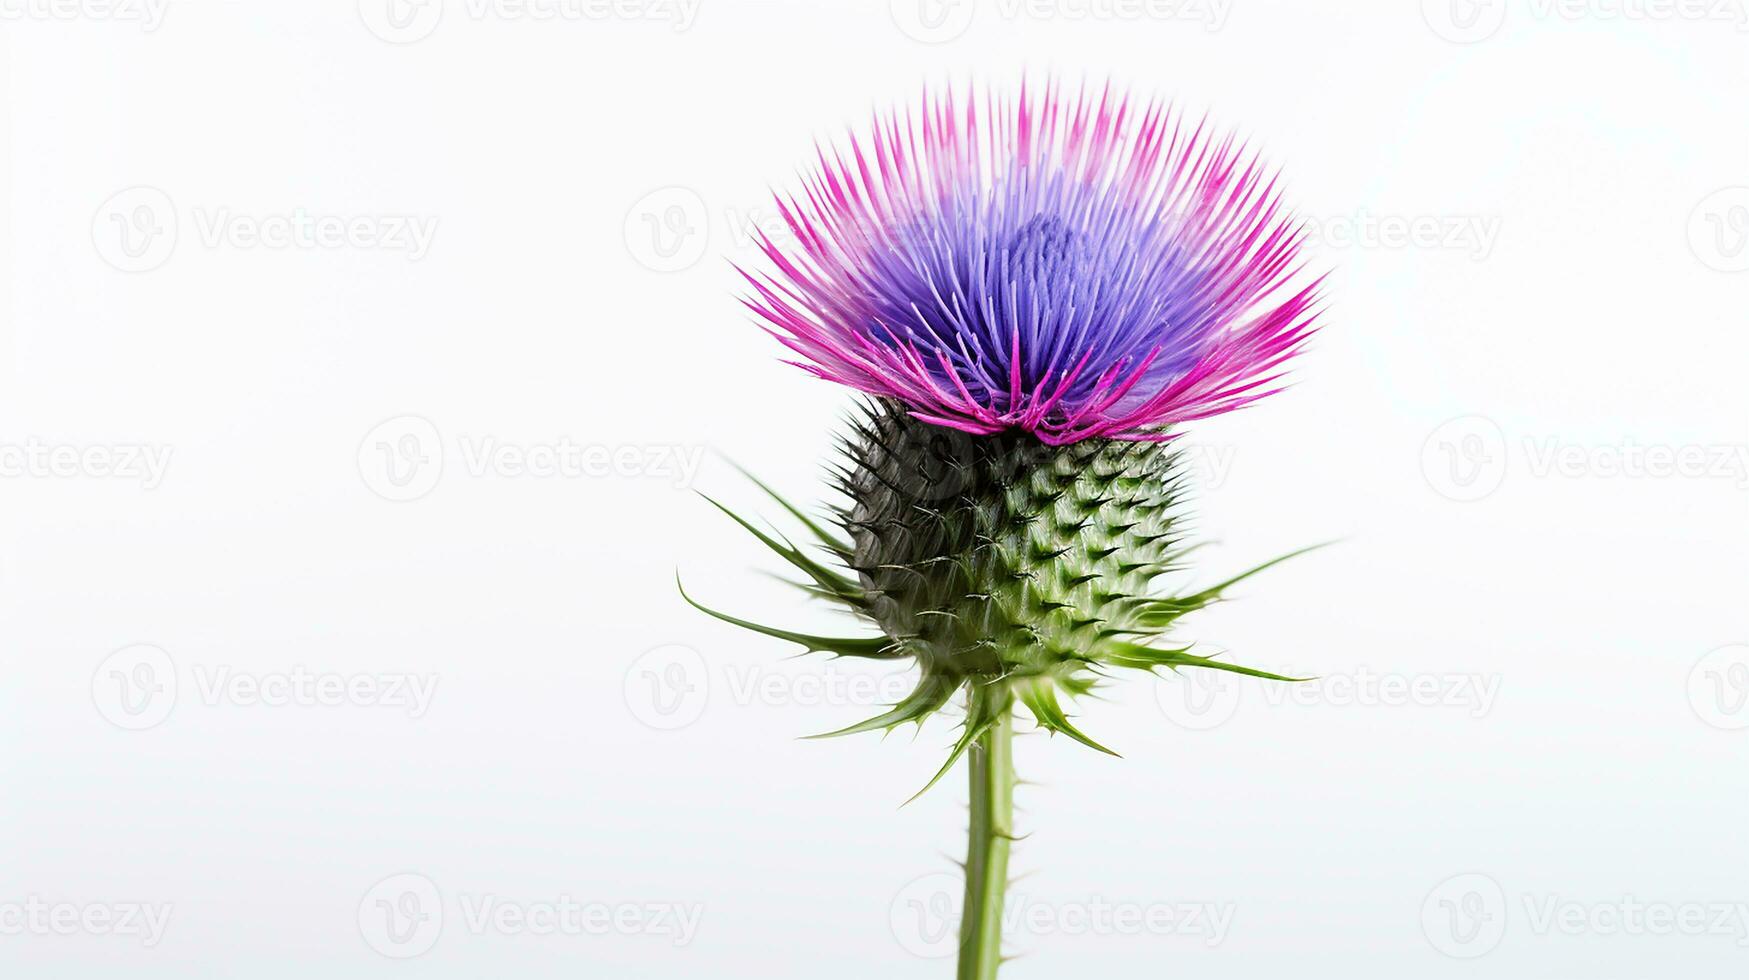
(992,784)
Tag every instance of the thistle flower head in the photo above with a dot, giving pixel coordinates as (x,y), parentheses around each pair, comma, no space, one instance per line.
(1073,266)
(1059,279)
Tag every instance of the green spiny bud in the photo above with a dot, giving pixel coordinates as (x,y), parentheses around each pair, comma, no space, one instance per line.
(1004,566)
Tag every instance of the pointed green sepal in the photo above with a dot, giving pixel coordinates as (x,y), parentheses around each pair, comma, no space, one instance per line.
(1213,592)
(930,694)
(872,647)
(1040,697)
(1119,653)
(834,584)
(1155,614)
(832,541)
(987,703)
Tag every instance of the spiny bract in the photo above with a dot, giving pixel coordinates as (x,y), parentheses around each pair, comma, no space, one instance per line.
(1004,566)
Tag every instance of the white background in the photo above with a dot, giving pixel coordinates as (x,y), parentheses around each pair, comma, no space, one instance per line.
(1538,219)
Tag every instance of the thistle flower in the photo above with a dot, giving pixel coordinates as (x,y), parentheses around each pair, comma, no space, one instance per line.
(1070,267)
(1031,292)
